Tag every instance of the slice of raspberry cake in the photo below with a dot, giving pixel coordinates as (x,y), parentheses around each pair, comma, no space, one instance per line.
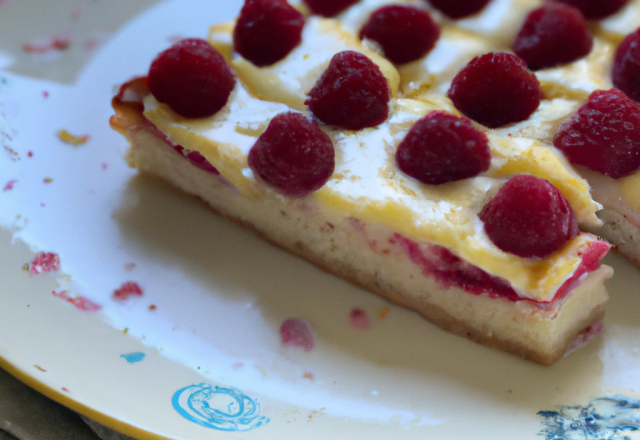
(292,126)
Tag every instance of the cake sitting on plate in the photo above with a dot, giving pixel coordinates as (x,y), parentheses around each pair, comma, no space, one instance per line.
(442,154)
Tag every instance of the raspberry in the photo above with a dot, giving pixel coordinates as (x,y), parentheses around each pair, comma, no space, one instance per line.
(329,8)
(626,66)
(603,134)
(443,148)
(496,89)
(529,217)
(552,35)
(351,94)
(405,33)
(293,155)
(267,30)
(192,78)
(596,9)
(459,8)
(297,333)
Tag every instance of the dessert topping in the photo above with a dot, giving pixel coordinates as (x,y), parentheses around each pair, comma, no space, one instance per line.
(496,89)
(603,134)
(529,217)
(293,155)
(405,33)
(329,8)
(351,94)
(267,30)
(459,8)
(552,35)
(192,78)
(442,147)
(626,66)
(596,9)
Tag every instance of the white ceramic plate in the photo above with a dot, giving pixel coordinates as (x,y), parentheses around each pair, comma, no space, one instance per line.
(197,355)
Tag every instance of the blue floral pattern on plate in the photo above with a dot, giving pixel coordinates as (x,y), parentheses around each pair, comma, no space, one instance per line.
(225,409)
(604,418)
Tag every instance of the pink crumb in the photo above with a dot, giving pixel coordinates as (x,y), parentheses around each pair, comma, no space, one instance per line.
(127,290)
(296,333)
(104,166)
(76,12)
(45,262)
(359,319)
(79,302)
(129,267)
(30,154)
(9,185)
(44,46)
(13,154)
(91,43)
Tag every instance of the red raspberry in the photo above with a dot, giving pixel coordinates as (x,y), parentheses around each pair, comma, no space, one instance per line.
(405,33)
(496,89)
(329,8)
(442,148)
(192,78)
(267,30)
(293,155)
(351,94)
(459,8)
(596,9)
(529,217)
(552,35)
(604,134)
(626,66)
(297,333)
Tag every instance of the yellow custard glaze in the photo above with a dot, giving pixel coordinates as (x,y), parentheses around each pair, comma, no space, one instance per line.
(289,81)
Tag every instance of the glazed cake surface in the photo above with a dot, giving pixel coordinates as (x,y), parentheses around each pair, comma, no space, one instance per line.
(418,245)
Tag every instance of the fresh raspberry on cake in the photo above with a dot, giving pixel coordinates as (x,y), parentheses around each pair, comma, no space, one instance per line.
(529,217)
(552,35)
(293,155)
(496,89)
(596,9)
(352,93)
(459,8)
(604,134)
(404,33)
(192,78)
(626,66)
(441,148)
(267,30)
(329,8)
